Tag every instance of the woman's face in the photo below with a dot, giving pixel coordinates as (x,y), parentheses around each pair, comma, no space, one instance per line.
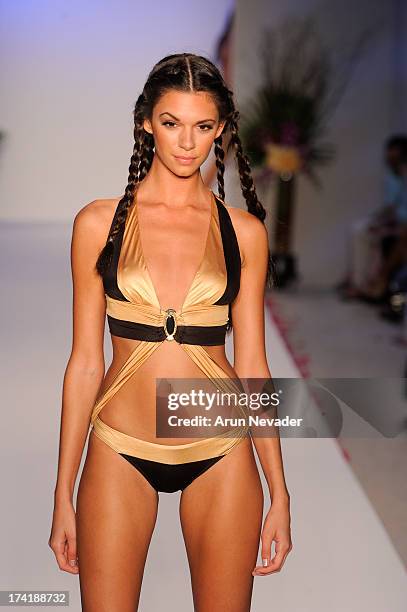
(184,125)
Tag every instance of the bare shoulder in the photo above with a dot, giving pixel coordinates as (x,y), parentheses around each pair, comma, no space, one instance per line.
(250,231)
(95,219)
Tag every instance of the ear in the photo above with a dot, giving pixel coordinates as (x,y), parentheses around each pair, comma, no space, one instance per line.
(147,126)
(220,128)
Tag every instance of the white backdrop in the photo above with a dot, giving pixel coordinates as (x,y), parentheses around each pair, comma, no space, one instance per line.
(71,73)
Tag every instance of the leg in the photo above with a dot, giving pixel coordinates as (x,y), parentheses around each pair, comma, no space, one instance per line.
(221,517)
(359,248)
(396,257)
(116,512)
(361,251)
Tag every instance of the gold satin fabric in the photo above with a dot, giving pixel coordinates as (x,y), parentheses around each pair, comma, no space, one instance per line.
(207,287)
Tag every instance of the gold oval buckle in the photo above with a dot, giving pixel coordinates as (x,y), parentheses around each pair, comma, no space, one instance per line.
(170,314)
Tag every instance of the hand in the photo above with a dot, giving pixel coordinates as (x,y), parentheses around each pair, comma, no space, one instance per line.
(63,537)
(276,527)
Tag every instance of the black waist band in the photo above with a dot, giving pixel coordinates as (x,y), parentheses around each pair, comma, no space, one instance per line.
(185,334)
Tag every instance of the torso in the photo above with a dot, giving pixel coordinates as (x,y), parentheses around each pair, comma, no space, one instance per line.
(172,261)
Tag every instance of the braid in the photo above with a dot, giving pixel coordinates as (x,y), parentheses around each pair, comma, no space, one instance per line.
(140,163)
(246,180)
(254,206)
(219,160)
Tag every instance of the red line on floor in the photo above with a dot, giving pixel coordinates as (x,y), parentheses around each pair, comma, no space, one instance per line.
(301,360)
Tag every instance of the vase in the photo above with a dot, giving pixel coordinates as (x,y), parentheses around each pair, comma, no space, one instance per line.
(284,260)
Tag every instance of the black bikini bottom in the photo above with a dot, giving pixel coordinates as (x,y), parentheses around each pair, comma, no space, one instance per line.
(169,478)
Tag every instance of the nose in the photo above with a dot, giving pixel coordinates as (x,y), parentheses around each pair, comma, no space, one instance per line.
(186,139)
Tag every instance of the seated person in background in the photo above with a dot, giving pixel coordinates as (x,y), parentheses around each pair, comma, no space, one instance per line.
(375,234)
(378,287)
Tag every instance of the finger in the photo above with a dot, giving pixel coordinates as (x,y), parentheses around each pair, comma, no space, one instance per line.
(266,550)
(266,565)
(71,567)
(263,571)
(71,552)
(266,543)
(275,566)
(60,555)
(276,563)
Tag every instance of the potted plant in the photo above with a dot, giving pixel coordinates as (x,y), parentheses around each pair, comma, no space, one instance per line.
(284,123)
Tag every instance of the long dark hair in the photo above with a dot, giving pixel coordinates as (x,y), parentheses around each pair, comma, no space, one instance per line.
(189,73)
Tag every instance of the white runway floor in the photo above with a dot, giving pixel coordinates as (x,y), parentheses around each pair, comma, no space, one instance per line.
(342,558)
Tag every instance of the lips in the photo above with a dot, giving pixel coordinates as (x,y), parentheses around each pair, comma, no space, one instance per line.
(182,158)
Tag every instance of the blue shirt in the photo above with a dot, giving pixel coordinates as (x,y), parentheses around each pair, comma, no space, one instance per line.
(395,194)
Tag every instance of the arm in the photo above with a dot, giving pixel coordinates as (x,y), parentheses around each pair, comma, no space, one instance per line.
(84,371)
(250,361)
(391,191)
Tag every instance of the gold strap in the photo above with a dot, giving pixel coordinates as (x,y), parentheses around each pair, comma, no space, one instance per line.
(181,453)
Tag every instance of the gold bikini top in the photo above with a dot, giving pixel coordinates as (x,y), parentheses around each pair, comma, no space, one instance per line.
(133,309)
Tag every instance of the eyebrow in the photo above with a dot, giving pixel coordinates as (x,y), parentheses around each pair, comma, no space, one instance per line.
(176,118)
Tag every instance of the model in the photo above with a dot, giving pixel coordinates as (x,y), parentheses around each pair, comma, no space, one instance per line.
(173,268)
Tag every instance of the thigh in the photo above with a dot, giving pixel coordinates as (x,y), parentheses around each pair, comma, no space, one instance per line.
(116,511)
(221,517)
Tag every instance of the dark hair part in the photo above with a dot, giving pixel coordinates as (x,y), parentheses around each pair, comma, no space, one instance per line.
(188,73)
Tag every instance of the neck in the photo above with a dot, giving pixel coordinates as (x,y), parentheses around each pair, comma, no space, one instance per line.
(162,185)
